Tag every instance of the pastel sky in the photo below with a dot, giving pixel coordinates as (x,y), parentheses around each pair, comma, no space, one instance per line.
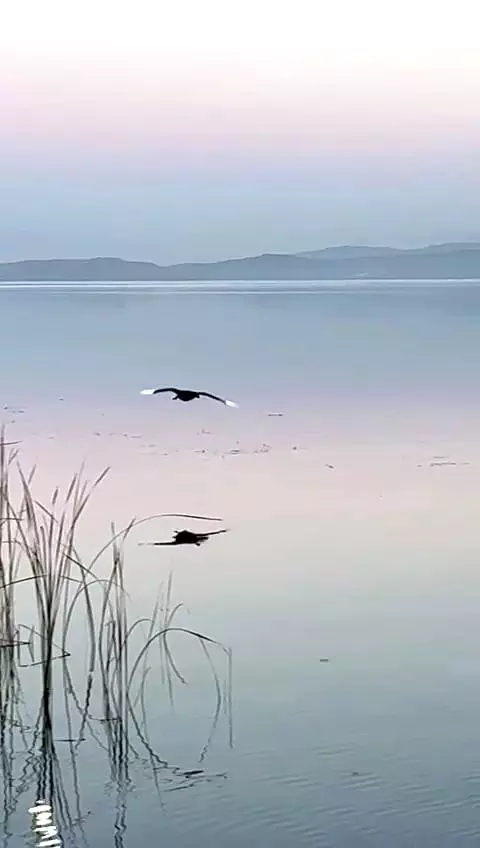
(201,129)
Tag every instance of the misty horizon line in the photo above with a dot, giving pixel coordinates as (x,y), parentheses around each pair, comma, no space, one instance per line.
(329,251)
(449,260)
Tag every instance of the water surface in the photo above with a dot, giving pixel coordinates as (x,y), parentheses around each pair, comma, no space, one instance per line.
(352,538)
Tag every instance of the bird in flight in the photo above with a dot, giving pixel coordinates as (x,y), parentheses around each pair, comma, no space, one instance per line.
(187,394)
(187,537)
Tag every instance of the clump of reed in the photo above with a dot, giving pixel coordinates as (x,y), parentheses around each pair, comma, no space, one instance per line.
(42,571)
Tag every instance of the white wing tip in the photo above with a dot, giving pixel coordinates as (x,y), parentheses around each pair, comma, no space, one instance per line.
(231,403)
(147,392)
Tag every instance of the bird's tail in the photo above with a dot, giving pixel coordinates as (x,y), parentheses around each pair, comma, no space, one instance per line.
(147,392)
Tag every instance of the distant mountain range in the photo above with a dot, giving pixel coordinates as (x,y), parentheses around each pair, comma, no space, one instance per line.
(458,261)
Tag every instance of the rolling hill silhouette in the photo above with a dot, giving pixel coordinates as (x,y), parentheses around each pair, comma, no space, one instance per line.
(443,261)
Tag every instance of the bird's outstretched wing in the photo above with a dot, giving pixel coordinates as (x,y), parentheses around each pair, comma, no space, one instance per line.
(157,544)
(221,400)
(158,391)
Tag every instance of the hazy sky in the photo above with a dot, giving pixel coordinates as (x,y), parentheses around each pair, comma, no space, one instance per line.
(199,129)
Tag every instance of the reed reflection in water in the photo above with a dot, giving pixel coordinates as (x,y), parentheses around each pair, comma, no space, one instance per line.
(53,606)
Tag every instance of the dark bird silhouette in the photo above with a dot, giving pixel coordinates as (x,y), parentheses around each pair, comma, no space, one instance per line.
(187,395)
(187,537)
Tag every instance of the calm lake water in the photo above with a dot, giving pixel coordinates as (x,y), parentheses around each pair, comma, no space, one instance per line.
(353,538)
